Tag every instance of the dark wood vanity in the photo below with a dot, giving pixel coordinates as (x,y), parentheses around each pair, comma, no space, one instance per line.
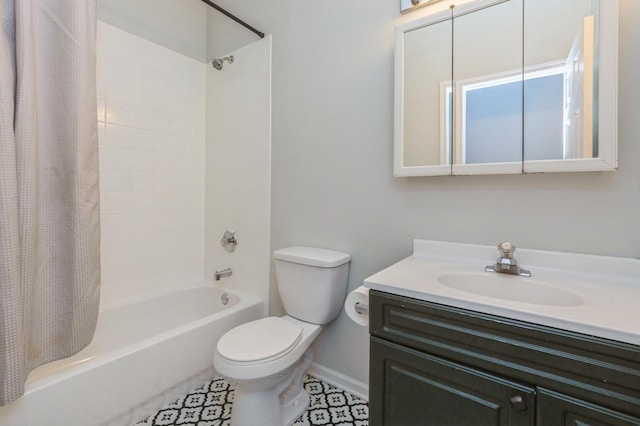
(437,365)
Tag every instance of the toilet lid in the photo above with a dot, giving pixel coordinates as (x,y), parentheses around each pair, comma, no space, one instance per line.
(260,341)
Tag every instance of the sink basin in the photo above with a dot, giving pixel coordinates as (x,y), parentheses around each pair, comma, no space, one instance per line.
(510,287)
(583,293)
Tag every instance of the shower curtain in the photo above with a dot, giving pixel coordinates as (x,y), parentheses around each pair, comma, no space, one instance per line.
(49,196)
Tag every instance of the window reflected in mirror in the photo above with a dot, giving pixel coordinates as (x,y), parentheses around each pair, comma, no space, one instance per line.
(491,109)
(487,88)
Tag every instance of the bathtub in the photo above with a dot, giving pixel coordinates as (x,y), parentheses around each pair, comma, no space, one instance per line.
(141,353)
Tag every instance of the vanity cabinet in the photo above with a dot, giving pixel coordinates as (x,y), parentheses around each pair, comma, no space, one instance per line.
(419,389)
(437,365)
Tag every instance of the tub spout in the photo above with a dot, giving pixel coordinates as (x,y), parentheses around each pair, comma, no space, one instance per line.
(221,274)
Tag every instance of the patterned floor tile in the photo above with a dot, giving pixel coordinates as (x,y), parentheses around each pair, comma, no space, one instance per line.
(211,404)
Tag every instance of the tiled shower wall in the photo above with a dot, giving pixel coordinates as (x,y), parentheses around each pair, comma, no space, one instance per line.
(151,113)
(238,195)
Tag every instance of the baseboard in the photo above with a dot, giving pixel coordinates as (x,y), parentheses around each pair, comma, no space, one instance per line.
(339,380)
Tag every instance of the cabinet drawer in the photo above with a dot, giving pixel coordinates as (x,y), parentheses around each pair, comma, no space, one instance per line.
(593,369)
(409,388)
(557,409)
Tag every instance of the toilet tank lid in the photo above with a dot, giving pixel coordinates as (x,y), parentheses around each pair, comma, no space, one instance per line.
(312,256)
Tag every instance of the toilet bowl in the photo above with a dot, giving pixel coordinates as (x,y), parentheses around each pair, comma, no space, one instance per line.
(268,384)
(265,360)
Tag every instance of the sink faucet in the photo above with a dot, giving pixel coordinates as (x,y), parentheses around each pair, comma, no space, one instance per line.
(506,264)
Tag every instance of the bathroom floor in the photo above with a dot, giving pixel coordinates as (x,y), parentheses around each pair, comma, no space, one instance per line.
(211,404)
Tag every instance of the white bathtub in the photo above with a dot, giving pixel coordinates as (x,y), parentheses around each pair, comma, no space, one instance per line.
(140,352)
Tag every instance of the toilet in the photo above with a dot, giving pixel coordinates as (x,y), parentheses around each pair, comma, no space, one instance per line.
(265,360)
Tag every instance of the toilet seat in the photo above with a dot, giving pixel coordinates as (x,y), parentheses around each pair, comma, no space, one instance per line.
(259,341)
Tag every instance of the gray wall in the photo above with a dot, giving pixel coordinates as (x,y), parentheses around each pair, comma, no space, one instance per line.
(332,183)
(179,25)
(224,35)
(189,27)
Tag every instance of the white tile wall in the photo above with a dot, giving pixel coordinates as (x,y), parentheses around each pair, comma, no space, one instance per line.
(151,113)
(238,152)
(152,104)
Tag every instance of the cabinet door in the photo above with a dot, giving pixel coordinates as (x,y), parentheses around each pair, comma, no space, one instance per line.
(562,410)
(411,388)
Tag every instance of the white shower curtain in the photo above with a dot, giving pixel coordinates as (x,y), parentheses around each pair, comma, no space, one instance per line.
(49,196)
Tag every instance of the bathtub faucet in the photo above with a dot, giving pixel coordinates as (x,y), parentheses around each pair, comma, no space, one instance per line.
(224,273)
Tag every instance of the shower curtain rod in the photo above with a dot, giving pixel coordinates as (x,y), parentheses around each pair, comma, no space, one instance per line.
(238,20)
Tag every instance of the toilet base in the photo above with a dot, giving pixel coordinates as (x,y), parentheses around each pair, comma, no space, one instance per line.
(279,405)
(294,409)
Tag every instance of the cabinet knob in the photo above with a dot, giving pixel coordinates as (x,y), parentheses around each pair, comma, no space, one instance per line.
(518,403)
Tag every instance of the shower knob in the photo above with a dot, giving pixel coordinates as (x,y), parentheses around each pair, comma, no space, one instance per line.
(229,241)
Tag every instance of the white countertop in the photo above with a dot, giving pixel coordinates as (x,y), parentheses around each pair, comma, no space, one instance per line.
(607,288)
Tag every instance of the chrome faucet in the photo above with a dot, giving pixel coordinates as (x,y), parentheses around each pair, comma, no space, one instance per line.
(221,274)
(506,264)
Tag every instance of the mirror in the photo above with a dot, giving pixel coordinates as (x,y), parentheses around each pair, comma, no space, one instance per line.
(507,86)
(487,64)
(428,53)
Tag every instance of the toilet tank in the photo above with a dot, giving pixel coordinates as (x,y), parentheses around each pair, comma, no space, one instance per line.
(312,282)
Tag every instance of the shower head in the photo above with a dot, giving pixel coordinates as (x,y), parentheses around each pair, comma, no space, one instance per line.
(217,63)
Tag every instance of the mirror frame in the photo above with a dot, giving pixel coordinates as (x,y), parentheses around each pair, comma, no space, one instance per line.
(607,104)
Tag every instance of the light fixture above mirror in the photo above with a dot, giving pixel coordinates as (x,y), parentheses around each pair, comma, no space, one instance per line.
(409,5)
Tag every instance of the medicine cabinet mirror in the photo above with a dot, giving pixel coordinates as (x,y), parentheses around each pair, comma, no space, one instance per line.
(507,86)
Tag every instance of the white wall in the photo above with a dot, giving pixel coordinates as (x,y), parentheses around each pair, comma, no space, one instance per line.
(332,183)
(151,120)
(238,152)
